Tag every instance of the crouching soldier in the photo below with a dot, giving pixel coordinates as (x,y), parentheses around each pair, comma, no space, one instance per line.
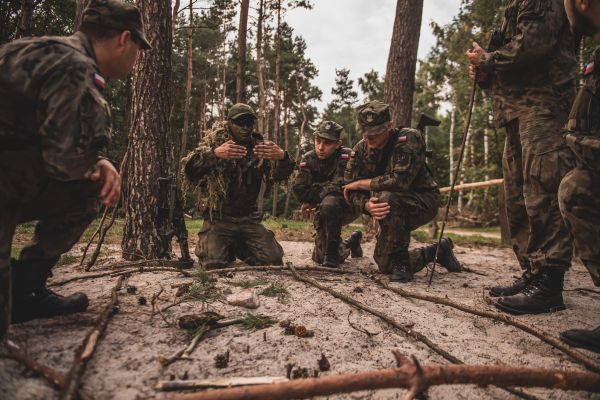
(228,168)
(319,184)
(387,177)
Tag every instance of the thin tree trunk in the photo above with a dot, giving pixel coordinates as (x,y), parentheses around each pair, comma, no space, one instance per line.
(240,76)
(24,25)
(286,209)
(259,70)
(175,13)
(402,60)
(224,81)
(451,143)
(150,157)
(277,102)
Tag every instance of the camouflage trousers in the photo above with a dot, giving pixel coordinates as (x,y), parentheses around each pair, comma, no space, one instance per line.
(332,214)
(535,160)
(408,211)
(579,197)
(63,211)
(220,242)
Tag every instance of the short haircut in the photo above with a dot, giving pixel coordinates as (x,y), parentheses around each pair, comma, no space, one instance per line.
(98,32)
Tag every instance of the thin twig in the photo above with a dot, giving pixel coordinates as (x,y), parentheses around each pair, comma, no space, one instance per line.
(119,273)
(105,229)
(281,268)
(89,243)
(358,328)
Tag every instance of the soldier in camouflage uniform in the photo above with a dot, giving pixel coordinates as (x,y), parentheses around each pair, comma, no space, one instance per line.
(388,178)
(54,122)
(532,75)
(579,191)
(319,184)
(228,168)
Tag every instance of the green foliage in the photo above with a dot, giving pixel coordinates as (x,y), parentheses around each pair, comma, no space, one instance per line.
(256,322)
(277,289)
(371,86)
(204,288)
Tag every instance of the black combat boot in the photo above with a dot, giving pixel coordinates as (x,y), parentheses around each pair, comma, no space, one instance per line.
(332,254)
(401,270)
(31,298)
(446,257)
(585,339)
(542,294)
(353,243)
(513,289)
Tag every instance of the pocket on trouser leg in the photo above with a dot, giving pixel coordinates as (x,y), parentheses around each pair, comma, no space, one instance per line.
(549,167)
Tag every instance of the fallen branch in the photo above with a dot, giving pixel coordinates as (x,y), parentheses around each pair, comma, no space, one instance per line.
(410,375)
(472,271)
(105,230)
(113,274)
(167,386)
(551,340)
(406,329)
(86,350)
(53,377)
(96,232)
(280,268)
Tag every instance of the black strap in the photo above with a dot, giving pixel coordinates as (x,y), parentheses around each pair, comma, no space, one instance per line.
(387,152)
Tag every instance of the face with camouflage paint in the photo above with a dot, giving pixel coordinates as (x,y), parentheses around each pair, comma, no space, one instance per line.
(241,127)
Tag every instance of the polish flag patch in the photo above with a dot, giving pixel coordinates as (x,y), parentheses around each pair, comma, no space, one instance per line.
(402,139)
(99,81)
(302,164)
(589,69)
(344,156)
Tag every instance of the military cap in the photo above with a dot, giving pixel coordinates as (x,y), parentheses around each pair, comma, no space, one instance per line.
(372,117)
(116,14)
(329,130)
(240,109)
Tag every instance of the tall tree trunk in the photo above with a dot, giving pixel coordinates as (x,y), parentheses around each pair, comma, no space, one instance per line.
(286,136)
(402,60)
(240,76)
(175,13)
(150,156)
(277,100)
(24,25)
(262,103)
(224,80)
(451,143)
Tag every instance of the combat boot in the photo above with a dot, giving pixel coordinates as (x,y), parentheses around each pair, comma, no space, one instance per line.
(401,270)
(513,289)
(332,254)
(542,294)
(585,339)
(446,257)
(353,243)
(31,299)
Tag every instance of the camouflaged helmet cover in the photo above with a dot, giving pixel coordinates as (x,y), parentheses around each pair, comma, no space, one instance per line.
(372,118)
(240,109)
(116,14)
(330,130)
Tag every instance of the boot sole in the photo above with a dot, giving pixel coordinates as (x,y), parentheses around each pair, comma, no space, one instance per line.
(515,311)
(573,343)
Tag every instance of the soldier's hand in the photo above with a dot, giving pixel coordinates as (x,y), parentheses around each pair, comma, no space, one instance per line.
(473,70)
(111,182)
(476,54)
(269,151)
(305,210)
(376,209)
(230,151)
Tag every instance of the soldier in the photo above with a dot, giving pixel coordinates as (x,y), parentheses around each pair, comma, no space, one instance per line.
(579,191)
(228,168)
(532,73)
(387,177)
(54,122)
(319,184)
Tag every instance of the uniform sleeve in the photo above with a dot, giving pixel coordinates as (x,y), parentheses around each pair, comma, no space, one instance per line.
(539,25)
(199,162)
(407,160)
(74,122)
(304,188)
(357,198)
(283,168)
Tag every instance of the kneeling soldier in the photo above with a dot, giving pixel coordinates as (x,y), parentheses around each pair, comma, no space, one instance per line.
(387,177)
(319,184)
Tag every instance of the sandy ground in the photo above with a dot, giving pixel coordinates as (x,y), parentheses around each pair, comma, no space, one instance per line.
(125,365)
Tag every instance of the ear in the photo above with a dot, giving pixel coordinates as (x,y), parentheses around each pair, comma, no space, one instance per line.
(339,143)
(124,37)
(389,125)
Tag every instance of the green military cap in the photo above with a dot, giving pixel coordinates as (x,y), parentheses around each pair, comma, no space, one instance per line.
(116,14)
(329,130)
(240,109)
(372,117)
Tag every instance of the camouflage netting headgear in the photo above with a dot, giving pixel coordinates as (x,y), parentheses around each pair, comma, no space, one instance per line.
(116,14)
(329,130)
(239,109)
(372,118)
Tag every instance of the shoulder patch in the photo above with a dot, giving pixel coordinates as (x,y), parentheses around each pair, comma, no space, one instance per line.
(99,81)
(344,156)
(302,164)
(401,139)
(589,69)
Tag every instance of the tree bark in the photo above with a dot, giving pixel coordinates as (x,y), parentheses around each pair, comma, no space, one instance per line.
(24,26)
(402,60)
(262,103)
(174,17)
(240,76)
(150,157)
(277,99)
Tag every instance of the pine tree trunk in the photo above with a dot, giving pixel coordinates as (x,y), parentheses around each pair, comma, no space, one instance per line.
(150,157)
(240,78)
(286,134)
(174,20)
(402,60)
(259,71)
(277,102)
(24,24)
(451,143)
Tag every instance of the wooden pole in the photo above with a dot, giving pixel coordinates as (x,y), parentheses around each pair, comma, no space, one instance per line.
(473,185)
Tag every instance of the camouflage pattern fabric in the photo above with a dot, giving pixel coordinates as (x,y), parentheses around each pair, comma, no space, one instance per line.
(319,183)
(579,192)
(534,73)
(222,241)
(406,184)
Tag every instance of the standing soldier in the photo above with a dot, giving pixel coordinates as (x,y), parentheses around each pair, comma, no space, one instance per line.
(532,70)
(579,191)
(228,168)
(388,178)
(54,122)
(319,184)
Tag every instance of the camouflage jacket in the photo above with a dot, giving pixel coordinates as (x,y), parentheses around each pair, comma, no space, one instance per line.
(51,98)
(535,71)
(318,178)
(583,125)
(230,188)
(406,169)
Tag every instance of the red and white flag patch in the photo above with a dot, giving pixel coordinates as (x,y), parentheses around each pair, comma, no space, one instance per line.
(589,69)
(402,139)
(99,81)
(344,156)
(302,164)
